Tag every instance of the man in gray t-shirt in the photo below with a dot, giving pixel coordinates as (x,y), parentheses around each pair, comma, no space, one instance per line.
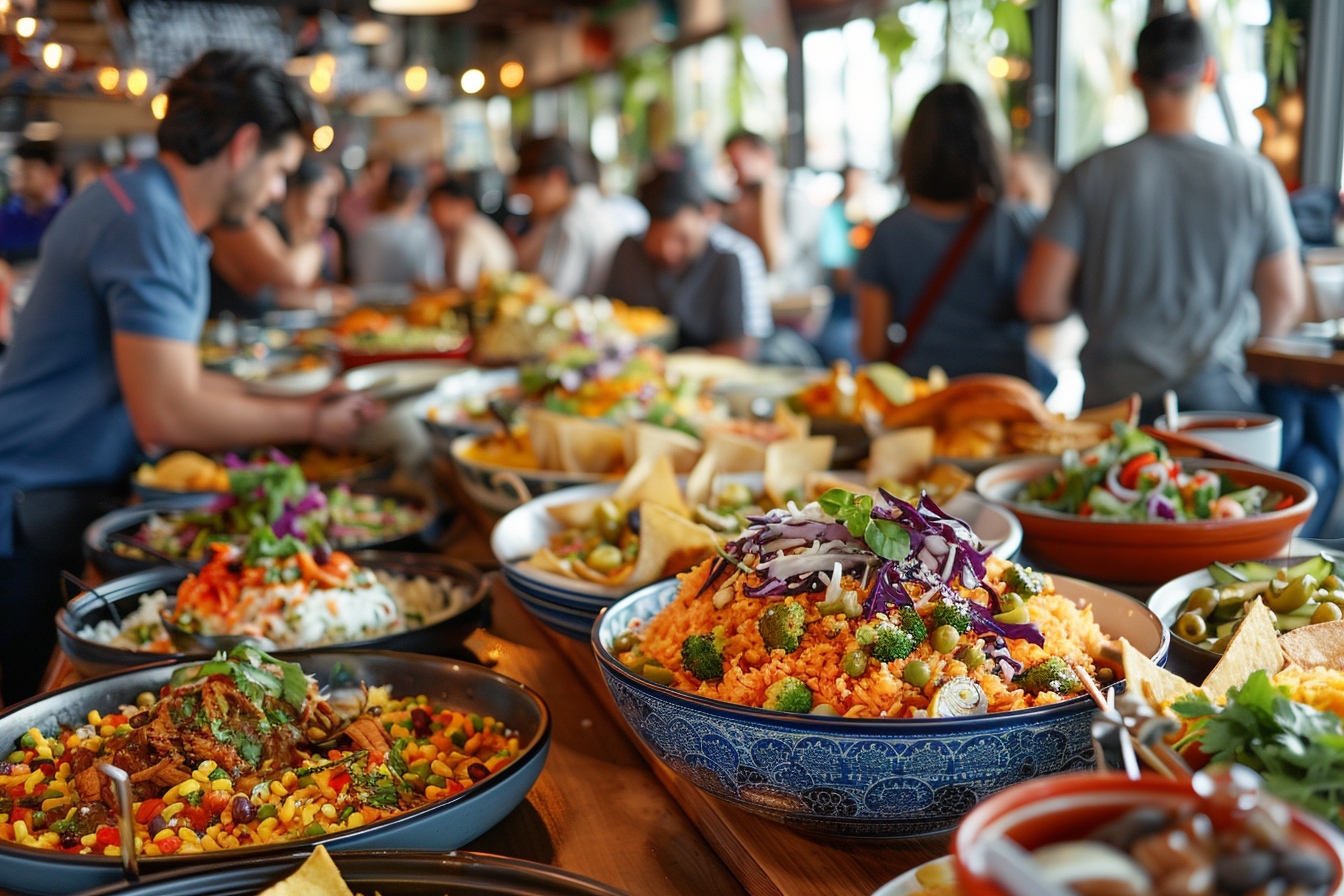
(1176,251)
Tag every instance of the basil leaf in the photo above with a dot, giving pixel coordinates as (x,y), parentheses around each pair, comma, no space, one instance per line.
(836,501)
(887,539)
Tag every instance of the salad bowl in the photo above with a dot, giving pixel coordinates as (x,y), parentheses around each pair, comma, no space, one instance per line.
(1121,550)
(871,778)
(500,489)
(440,825)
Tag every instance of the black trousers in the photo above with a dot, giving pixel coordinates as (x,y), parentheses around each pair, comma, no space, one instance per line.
(49,526)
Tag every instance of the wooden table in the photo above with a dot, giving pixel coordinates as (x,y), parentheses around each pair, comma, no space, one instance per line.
(1299,361)
(606,809)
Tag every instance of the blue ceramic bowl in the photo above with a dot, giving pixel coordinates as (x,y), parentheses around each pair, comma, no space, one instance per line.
(577,624)
(857,777)
(438,826)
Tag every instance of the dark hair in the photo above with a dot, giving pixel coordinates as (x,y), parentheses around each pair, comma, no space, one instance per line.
(311,172)
(539,157)
(402,181)
(454,188)
(751,138)
(43,151)
(1171,53)
(949,154)
(668,192)
(224,90)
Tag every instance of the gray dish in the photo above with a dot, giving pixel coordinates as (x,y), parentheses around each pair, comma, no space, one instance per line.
(443,636)
(442,825)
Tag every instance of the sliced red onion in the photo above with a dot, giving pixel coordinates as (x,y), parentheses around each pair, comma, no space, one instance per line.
(1113,483)
(1160,507)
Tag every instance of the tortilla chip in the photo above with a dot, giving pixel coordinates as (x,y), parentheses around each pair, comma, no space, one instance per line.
(794,426)
(646,440)
(317,876)
(815,484)
(947,481)
(608,580)
(542,434)
(1310,646)
(575,444)
(1253,647)
(652,479)
(668,544)
(575,514)
(1149,680)
(546,561)
(788,462)
(724,453)
(902,455)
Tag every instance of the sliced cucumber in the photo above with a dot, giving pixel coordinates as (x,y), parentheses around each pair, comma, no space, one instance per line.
(1305,610)
(1288,623)
(1225,575)
(1253,570)
(1317,567)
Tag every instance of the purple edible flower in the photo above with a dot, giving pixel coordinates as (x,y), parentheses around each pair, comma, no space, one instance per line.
(313,500)
(221,504)
(234,462)
(285,524)
(279,457)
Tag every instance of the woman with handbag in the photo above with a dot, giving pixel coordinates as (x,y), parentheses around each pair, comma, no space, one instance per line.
(936,284)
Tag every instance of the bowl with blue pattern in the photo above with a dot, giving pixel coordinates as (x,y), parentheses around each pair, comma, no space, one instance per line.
(869,778)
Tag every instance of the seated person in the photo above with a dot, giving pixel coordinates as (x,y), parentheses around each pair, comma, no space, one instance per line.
(36,195)
(675,269)
(287,257)
(399,245)
(472,243)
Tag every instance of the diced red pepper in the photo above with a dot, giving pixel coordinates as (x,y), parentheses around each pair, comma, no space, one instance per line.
(1085,510)
(1129,473)
(40,789)
(340,780)
(169,845)
(16,791)
(47,769)
(21,813)
(114,720)
(107,836)
(1288,501)
(148,810)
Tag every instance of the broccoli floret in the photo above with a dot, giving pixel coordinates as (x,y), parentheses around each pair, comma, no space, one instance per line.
(702,655)
(847,602)
(1053,675)
(913,624)
(951,612)
(788,695)
(891,643)
(1024,580)
(782,626)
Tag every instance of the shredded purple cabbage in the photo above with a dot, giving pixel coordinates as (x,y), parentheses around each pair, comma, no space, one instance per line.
(934,535)
(1160,507)
(221,504)
(888,592)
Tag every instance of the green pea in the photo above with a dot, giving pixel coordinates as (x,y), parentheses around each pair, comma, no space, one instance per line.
(1192,627)
(477,723)
(605,558)
(855,663)
(865,635)
(458,737)
(624,641)
(438,781)
(265,811)
(17,756)
(1010,601)
(1202,601)
(420,768)
(916,673)
(1326,613)
(944,639)
(971,656)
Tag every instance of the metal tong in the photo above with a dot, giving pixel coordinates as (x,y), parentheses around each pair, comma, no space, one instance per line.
(1132,728)
(121,785)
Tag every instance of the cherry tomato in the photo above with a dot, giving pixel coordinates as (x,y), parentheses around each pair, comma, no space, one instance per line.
(148,810)
(215,801)
(196,817)
(169,845)
(108,837)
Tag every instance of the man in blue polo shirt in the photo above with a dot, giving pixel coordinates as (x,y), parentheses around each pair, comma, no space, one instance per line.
(36,195)
(104,366)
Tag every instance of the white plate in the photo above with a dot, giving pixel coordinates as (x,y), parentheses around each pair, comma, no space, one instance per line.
(524,531)
(396,380)
(908,884)
(437,409)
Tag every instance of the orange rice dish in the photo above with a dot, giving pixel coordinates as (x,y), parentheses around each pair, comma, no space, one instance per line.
(864,665)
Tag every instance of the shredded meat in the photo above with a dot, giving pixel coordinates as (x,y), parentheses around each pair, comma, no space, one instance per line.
(89,783)
(367,734)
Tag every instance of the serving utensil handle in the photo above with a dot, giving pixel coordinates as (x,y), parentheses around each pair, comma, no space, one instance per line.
(121,785)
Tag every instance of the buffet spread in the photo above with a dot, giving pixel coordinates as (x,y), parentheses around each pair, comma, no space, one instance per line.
(890,648)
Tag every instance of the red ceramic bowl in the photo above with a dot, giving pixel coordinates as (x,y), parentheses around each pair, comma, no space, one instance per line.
(1066,807)
(1124,551)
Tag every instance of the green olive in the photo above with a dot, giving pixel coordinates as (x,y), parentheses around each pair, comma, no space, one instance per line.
(605,558)
(1326,613)
(609,520)
(1202,601)
(944,638)
(1220,645)
(855,663)
(916,673)
(1332,582)
(1020,616)
(1293,595)
(1010,601)
(1192,627)
(971,656)
(145,700)
(735,495)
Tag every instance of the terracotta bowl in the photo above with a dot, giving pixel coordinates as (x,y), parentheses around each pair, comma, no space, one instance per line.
(1065,807)
(1125,551)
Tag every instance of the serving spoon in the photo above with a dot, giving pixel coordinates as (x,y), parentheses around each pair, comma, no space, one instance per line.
(188,641)
(131,541)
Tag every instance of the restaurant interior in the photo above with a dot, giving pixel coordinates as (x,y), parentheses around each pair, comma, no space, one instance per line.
(642,447)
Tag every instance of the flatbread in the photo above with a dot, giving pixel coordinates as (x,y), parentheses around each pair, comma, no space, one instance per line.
(1321,644)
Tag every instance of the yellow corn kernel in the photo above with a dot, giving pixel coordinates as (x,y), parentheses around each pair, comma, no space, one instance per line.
(171,809)
(139,843)
(187,787)
(44,751)
(112,851)
(189,847)
(64,770)
(330,811)
(95,717)
(221,784)
(152,850)
(48,840)
(107,730)
(309,813)
(188,835)
(200,777)
(38,737)
(290,780)
(93,743)
(286,813)
(431,792)
(208,844)
(166,832)
(268,824)
(86,840)
(54,803)
(400,731)
(278,789)
(32,781)
(72,741)
(354,821)
(513,745)
(208,766)
(473,744)
(20,830)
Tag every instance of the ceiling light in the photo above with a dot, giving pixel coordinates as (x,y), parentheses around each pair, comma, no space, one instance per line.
(473,79)
(416,78)
(511,74)
(26,27)
(320,80)
(5,7)
(57,57)
(421,7)
(323,137)
(137,82)
(109,76)
(159,106)
(369,33)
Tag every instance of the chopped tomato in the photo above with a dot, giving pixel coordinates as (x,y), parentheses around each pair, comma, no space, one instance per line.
(196,817)
(1085,510)
(340,780)
(169,845)
(108,837)
(1288,501)
(215,801)
(148,810)
(1129,473)
(114,720)
(21,813)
